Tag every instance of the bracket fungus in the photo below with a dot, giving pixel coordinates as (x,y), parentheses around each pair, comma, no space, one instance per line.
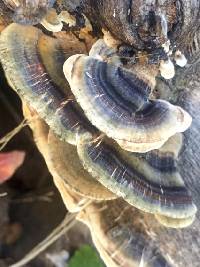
(180,59)
(51,21)
(151,184)
(120,235)
(167,69)
(66,164)
(63,161)
(117,102)
(33,64)
(105,135)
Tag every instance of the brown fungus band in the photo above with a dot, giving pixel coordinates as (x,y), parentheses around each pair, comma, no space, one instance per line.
(117,102)
(151,188)
(121,235)
(63,161)
(174,222)
(33,64)
(66,165)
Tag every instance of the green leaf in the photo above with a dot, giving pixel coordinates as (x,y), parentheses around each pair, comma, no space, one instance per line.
(86,256)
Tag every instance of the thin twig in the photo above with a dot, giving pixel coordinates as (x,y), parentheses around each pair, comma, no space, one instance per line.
(4,140)
(3,194)
(61,229)
(32,198)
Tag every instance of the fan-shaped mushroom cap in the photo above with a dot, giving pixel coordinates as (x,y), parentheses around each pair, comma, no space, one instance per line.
(149,182)
(167,69)
(116,101)
(66,17)
(66,164)
(33,65)
(102,51)
(119,233)
(180,59)
(51,21)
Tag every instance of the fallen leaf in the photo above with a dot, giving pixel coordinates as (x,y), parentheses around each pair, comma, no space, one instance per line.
(86,256)
(9,162)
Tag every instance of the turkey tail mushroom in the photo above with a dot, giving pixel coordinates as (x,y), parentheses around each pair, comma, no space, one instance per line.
(151,184)
(33,66)
(63,161)
(117,102)
(121,236)
(66,164)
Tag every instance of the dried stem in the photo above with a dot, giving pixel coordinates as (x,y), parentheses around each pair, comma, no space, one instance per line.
(4,140)
(61,229)
(47,197)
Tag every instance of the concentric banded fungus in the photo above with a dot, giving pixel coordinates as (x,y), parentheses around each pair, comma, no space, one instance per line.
(119,233)
(116,101)
(63,161)
(66,164)
(152,185)
(164,161)
(33,64)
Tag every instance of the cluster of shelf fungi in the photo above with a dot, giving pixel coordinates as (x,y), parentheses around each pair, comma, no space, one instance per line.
(86,74)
